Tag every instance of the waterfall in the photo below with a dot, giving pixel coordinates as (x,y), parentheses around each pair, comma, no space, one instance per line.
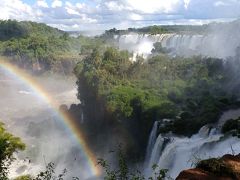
(152,140)
(156,152)
(215,44)
(178,153)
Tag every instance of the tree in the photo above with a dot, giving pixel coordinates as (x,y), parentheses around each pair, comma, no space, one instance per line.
(9,144)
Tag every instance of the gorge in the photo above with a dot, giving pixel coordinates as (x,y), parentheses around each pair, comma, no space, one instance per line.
(162,97)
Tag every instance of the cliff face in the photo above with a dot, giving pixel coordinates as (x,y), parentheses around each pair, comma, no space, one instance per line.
(226,167)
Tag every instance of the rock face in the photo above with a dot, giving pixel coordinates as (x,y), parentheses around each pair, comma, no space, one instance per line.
(224,168)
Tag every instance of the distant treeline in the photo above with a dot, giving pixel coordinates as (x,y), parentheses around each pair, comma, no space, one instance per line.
(179,29)
(184,29)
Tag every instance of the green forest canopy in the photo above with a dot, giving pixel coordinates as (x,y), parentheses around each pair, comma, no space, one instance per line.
(26,43)
(189,91)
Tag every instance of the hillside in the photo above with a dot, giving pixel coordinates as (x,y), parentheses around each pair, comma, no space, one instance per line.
(13,29)
(41,48)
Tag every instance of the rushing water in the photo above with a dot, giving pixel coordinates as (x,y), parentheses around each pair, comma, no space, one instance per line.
(217,44)
(178,153)
(151,140)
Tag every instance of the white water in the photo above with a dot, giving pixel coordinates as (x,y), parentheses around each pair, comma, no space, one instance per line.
(178,153)
(152,140)
(216,44)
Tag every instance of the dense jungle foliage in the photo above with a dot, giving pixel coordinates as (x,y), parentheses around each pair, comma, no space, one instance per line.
(40,47)
(189,92)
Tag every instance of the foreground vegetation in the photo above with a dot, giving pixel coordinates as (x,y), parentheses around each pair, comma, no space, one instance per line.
(122,172)
(9,144)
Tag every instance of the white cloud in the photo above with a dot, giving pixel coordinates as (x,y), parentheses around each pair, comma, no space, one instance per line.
(220,3)
(114,6)
(153,6)
(42,3)
(69,4)
(56,3)
(71,11)
(135,17)
(80,5)
(88,19)
(106,14)
(15,9)
(186,3)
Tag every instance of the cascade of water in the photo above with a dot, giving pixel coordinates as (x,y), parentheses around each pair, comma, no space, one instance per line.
(181,153)
(213,45)
(177,153)
(204,131)
(152,139)
(157,150)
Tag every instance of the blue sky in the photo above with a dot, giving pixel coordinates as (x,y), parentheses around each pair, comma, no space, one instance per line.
(105,14)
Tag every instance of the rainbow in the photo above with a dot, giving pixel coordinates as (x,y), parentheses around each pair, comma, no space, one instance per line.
(68,121)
